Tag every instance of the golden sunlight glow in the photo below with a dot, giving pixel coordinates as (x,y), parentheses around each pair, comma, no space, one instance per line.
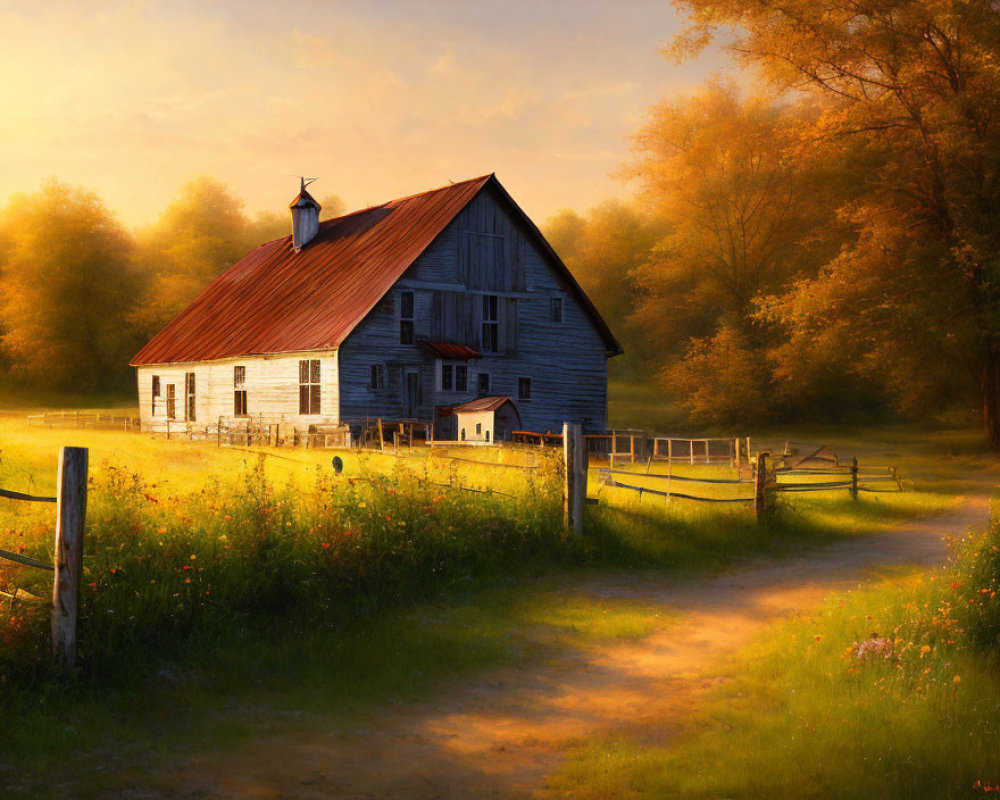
(131,99)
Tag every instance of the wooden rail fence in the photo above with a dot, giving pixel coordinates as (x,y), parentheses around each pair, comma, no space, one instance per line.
(84,419)
(71,512)
(767,480)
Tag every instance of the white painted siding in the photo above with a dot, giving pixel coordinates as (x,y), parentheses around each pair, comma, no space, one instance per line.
(272,386)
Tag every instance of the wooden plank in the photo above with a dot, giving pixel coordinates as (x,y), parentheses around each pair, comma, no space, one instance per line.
(71,512)
(760,494)
(28,562)
(29,497)
(575,489)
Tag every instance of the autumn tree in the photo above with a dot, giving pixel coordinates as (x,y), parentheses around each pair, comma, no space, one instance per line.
(200,233)
(916,84)
(66,284)
(746,214)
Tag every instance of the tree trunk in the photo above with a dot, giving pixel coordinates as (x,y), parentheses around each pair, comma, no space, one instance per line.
(990,384)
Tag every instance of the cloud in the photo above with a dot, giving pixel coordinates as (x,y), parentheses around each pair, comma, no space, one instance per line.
(132,98)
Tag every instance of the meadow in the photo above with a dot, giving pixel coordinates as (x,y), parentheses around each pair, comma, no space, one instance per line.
(221,573)
(891,691)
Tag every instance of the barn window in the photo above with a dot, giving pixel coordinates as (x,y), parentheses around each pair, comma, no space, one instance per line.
(487,436)
(454,377)
(479,428)
(555,310)
(406,310)
(484,383)
(376,377)
(239,391)
(491,323)
(171,402)
(524,388)
(309,396)
(189,396)
(156,392)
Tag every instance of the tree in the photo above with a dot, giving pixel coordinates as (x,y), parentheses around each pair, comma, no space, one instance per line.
(198,236)
(746,215)
(67,284)
(916,83)
(721,171)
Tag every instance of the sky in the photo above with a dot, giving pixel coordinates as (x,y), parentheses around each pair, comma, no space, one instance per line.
(378,98)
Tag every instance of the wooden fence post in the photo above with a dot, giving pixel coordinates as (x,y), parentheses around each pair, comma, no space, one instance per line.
(760,494)
(575,489)
(854,479)
(71,512)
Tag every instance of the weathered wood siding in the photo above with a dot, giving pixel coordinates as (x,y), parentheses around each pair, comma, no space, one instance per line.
(482,252)
(272,387)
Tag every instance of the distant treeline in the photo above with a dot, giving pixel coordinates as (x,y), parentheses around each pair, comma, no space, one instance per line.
(824,247)
(80,294)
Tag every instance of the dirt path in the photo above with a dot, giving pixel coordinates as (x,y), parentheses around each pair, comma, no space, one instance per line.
(500,734)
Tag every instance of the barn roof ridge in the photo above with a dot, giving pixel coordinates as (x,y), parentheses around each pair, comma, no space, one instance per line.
(278,300)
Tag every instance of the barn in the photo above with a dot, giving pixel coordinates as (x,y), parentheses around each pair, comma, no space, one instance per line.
(406,310)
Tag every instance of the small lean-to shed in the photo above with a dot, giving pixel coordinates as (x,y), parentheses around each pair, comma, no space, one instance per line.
(487,419)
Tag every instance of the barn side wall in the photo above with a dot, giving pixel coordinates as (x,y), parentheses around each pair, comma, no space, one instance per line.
(272,387)
(482,252)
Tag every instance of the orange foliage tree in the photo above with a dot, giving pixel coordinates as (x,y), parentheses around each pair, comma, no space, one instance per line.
(66,284)
(916,84)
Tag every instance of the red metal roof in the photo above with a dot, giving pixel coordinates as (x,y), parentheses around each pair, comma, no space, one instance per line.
(484,404)
(450,350)
(277,300)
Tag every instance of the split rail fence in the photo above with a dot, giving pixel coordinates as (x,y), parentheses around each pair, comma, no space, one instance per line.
(765,479)
(84,419)
(71,511)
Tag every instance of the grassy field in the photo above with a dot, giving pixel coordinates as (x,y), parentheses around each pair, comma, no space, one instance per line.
(220,573)
(892,691)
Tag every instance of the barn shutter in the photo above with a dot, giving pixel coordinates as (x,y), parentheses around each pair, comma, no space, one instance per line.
(471,308)
(509,324)
(437,317)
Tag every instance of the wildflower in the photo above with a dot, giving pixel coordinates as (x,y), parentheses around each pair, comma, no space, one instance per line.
(957,680)
(187,580)
(326,545)
(924,650)
(194,557)
(93,585)
(817,638)
(228,518)
(162,530)
(954,585)
(186,567)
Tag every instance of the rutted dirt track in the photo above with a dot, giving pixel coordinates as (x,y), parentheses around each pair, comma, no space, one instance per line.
(501,733)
